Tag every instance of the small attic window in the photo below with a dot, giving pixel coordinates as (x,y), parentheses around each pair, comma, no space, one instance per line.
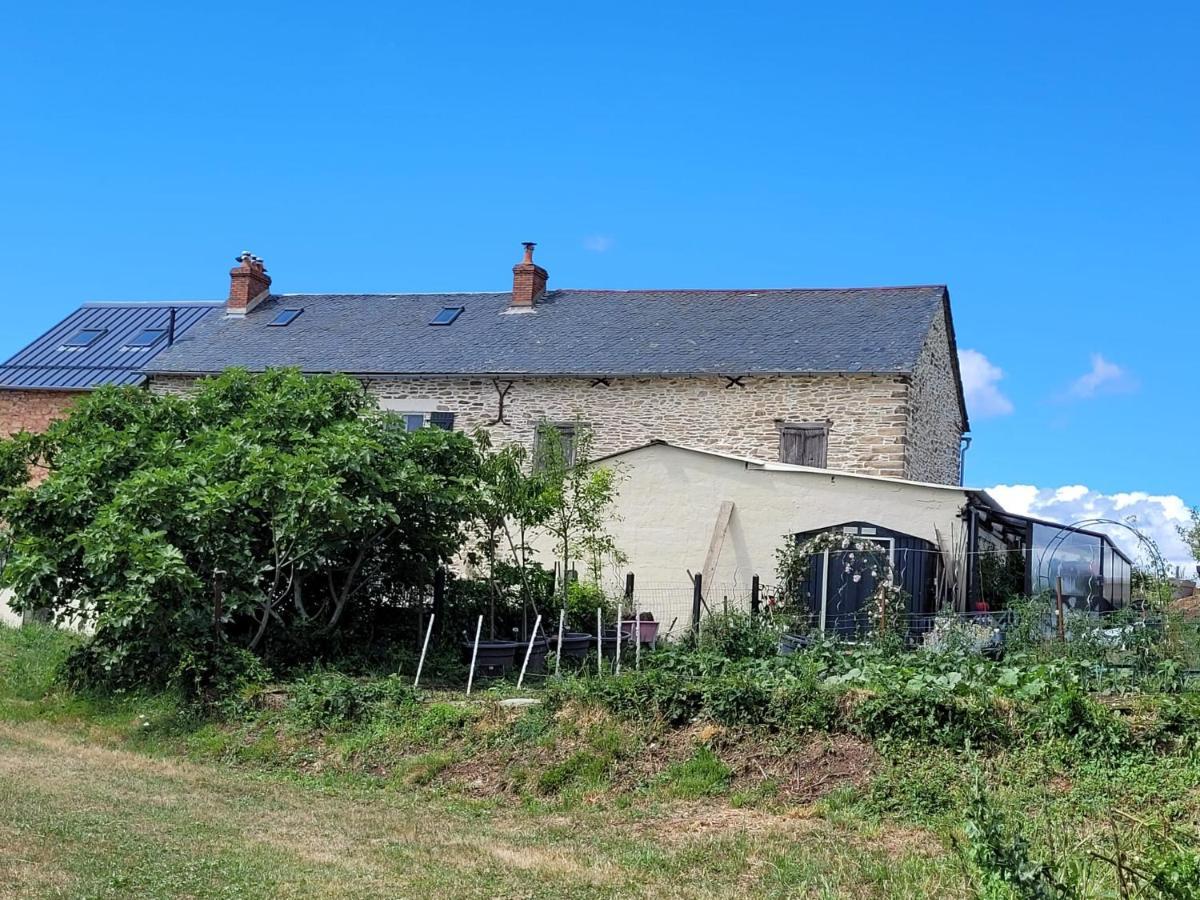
(447,315)
(148,338)
(85,337)
(285,317)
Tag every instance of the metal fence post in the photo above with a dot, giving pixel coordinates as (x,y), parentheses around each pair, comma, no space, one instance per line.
(754,599)
(697,598)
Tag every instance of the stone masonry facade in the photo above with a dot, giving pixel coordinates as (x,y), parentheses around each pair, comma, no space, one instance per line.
(935,419)
(871,419)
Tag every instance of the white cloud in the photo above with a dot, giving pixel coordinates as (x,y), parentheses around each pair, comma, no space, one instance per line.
(1155,515)
(598,243)
(1104,377)
(980,385)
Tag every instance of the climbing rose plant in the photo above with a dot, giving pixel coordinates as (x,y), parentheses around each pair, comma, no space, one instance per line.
(859,559)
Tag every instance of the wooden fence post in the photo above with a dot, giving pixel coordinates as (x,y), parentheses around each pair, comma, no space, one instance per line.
(754,598)
(697,599)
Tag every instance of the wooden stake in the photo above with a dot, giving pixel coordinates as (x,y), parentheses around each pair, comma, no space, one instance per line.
(562,621)
(474,653)
(1062,625)
(529,651)
(424,650)
(599,642)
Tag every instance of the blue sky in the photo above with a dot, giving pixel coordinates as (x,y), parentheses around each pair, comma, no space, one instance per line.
(1040,161)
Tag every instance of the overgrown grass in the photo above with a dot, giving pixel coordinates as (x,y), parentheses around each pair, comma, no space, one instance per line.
(691,775)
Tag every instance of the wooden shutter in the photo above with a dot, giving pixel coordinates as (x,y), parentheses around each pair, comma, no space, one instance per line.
(804,445)
(442,420)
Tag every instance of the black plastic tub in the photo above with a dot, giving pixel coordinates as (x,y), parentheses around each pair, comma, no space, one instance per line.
(494,659)
(610,642)
(576,645)
(537,655)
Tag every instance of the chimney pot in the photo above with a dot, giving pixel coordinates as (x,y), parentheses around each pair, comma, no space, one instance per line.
(249,285)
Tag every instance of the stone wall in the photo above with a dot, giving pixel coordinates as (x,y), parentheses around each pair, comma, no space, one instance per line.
(935,422)
(32,410)
(867,414)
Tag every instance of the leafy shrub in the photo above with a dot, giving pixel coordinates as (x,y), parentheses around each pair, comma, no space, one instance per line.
(333,700)
(583,599)
(267,512)
(734,634)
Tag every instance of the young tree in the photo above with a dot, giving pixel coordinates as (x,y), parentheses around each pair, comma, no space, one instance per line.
(579,498)
(260,511)
(1191,533)
(514,501)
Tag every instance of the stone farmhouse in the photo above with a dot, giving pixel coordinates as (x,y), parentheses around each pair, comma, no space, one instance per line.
(859,380)
(739,414)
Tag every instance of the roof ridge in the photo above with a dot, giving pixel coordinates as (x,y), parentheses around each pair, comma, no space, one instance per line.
(148,304)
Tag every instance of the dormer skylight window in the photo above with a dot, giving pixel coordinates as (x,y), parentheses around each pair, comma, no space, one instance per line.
(285,317)
(148,338)
(85,337)
(447,315)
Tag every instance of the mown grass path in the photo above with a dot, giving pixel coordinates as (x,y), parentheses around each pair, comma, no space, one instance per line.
(84,818)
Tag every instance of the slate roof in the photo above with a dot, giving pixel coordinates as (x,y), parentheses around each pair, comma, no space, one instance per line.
(575,332)
(49,364)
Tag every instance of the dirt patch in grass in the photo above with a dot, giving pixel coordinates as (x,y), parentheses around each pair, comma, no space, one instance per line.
(801,772)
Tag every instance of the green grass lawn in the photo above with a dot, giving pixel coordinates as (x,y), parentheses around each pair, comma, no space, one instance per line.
(83,818)
(358,788)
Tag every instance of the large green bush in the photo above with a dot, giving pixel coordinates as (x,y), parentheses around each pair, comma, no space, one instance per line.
(266,512)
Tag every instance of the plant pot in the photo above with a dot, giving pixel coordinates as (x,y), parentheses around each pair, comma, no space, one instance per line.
(610,640)
(645,629)
(494,659)
(537,655)
(576,645)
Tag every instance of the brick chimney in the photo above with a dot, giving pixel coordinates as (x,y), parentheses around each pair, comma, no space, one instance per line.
(529,281)
(249,285)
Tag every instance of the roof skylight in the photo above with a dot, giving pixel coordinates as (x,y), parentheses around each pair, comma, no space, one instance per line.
(285,317)
(447,315)
(148,338)
(85,337)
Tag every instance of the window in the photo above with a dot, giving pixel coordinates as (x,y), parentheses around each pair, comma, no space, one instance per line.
(805,444)
(285,317)
(411,421)
(447,315)
(85,337)
(544,452)
(147,338)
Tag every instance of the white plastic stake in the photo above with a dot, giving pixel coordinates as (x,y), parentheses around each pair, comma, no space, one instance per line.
(474,653)
(529,650)
(562,621)
(637,641)
(599,642)
(617,669)
(424,650)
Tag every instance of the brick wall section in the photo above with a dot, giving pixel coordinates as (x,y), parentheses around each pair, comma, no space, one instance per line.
(935,423)
(32,410)
(868,414)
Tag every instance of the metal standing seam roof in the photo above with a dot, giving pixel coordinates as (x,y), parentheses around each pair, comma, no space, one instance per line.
(47,364)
